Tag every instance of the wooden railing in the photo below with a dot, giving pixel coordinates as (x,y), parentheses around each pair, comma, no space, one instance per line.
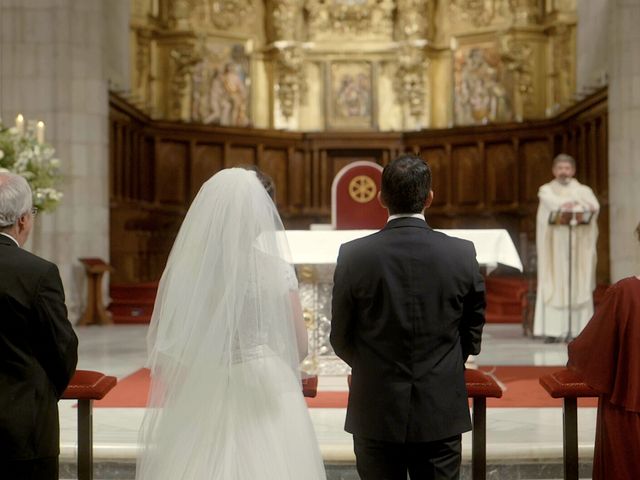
(87,386)
(484,176)
(568,385)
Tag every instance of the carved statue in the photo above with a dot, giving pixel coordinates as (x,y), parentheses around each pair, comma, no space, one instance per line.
(291,84)
(219,90)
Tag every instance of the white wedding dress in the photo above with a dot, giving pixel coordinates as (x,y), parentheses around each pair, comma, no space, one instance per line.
(226,400)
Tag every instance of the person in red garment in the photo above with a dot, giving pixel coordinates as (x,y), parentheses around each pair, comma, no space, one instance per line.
(607,356)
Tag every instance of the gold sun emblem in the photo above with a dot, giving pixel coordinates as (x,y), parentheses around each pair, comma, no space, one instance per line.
(362,189)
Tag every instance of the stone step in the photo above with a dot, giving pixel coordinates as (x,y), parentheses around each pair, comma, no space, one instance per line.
(509,470)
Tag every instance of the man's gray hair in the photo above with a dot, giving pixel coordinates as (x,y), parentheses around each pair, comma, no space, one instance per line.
(564,158)
(15,198)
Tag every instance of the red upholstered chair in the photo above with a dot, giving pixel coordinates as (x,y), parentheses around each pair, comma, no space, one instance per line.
(354,202)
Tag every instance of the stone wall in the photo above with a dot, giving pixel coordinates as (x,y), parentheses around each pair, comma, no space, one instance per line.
(53,68)
(624,141)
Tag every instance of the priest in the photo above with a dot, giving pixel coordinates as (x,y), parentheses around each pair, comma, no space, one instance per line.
(566,194)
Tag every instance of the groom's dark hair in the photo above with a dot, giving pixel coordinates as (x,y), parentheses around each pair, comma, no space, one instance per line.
(406,183)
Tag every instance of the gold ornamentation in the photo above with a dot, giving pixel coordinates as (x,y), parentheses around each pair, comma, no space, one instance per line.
(362,189)
(182,59)
(413,19)
(479,12)
(409,79)
(284,16)
(361,18)
(309,319)
(563,66)
(221,14)
(525,12)
(291,84)
(517,56)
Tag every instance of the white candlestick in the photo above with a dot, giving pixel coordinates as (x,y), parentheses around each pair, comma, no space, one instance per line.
(20,124)
(40,132)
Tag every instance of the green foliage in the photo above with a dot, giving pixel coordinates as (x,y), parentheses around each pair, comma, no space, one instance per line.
(24,155)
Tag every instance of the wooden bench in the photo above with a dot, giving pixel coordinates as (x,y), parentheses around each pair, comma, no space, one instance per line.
(568,385)
(87,386)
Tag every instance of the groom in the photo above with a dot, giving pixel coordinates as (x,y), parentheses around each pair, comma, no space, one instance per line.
(407,310)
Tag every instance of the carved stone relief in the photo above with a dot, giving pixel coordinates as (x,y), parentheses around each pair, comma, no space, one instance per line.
(525,12)
(183,60)
(409,80)
(291,84)
(518,58)
(481,86)
(479,13)
(563,65)
(413,19)
(284,16)
(351,18)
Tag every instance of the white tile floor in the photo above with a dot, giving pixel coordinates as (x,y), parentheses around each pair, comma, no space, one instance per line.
(513,434)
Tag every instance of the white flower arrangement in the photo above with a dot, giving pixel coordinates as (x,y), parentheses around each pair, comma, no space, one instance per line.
(28,155)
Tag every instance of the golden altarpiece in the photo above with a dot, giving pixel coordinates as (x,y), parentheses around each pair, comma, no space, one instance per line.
(385,65)
(351,65)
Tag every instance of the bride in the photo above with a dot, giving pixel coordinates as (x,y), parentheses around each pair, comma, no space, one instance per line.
(225,342)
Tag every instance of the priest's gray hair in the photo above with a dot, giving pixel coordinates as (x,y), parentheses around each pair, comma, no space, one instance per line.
(564,158)
(15,198)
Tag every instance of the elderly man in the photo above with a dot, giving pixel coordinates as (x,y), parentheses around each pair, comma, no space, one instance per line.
(38,347)
(564,193)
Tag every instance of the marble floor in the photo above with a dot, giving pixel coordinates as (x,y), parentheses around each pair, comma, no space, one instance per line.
(514,435)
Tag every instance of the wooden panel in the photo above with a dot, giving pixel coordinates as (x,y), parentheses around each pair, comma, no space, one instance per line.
(147,191)
(535,158)
(438,161)
(239,156)
(502,174)
(297,179)
(207,160)
(468,175)
(274,163)
(483,176)
(171,175)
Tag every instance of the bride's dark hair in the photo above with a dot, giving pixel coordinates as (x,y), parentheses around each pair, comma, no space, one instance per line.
(267,182)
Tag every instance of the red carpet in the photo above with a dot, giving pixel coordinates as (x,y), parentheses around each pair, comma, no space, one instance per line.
(521,382)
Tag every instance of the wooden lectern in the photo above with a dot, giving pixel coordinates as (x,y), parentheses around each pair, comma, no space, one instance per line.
(95,313)
(571,219)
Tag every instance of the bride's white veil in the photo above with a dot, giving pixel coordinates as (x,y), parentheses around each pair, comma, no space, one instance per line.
(224,302)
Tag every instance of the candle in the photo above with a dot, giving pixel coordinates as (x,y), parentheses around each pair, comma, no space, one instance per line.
(40,132)
(20,124)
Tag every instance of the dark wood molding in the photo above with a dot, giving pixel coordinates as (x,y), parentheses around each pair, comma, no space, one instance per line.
(484,176)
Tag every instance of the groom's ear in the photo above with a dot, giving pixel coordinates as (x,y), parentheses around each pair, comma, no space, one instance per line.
(427,203)
(381,199)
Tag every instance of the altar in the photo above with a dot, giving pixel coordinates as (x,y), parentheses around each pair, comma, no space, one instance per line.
(314,254)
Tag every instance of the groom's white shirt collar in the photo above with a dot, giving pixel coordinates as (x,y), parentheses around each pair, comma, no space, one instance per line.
(406,215)
(7,235)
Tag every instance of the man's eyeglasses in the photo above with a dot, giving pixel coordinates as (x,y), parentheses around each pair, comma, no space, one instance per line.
(34,211)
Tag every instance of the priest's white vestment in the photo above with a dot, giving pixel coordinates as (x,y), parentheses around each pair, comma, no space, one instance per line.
(552,244)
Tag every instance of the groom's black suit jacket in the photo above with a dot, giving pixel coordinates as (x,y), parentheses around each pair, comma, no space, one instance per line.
(407,309)
(38,354)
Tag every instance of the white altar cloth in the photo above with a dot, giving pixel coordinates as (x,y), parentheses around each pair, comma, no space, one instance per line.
(315,247)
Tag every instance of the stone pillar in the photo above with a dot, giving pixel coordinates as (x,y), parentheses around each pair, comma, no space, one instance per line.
(624,142)
(592,44)
(54,59)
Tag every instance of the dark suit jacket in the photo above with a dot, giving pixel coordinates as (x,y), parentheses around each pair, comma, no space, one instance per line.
(407,309)
(38,354)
